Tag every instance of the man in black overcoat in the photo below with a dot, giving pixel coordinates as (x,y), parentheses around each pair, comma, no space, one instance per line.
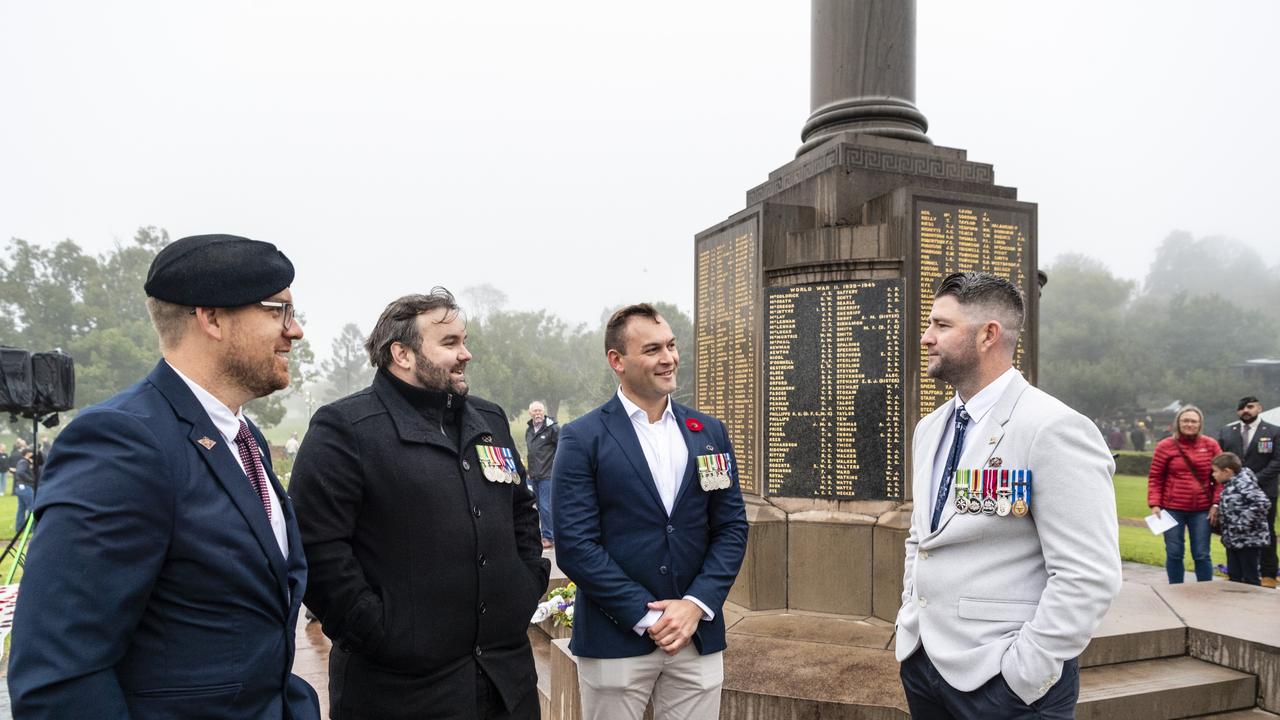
(1254,441)
(421,535)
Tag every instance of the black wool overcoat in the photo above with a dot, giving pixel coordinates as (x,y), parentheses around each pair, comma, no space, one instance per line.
(421,569)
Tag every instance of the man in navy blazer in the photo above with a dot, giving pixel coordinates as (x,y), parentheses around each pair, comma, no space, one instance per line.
(166,571)
(651,526)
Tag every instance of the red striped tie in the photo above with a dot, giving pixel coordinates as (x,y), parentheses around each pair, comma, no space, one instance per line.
(251,458)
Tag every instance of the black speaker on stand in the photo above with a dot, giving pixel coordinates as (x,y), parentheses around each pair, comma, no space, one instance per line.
(36,386)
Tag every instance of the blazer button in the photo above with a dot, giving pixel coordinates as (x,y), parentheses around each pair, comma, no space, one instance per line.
(922,602)
(475,510)
(483,607)
(483,561)
(923,554)
(662,570)
(670,529)
(466,466)
(479,652)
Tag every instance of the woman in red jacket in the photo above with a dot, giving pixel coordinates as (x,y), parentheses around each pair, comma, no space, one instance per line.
(1181,483)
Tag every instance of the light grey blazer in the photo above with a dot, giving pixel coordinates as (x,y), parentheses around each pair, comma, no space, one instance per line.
(1017,596)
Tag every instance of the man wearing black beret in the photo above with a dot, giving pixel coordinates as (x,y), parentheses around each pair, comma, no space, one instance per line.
(165,578)
(1254,441)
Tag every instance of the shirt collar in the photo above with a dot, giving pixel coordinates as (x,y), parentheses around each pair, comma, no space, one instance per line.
(227,423)
(985,399)
(632,408)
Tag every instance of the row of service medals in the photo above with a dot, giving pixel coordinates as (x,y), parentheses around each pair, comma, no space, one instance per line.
(713,471)
(993,491)
(498,464)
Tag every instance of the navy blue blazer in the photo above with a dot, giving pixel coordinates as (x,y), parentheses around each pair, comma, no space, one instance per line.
(154,587)
(616,542)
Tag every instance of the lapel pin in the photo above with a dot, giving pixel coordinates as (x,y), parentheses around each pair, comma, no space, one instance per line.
(993,439)
(486,438)
(995,462)
(710,448)
(207,443)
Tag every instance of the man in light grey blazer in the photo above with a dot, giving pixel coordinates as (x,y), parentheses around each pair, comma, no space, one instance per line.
(1000,598)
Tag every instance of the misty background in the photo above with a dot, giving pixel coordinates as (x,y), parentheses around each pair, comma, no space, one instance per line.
(551,162)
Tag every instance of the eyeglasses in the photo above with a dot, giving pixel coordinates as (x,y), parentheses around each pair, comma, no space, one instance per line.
(285,309)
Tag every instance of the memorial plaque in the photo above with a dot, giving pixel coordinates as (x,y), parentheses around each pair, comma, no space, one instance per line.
(726,324)
(956,237)
(833,390)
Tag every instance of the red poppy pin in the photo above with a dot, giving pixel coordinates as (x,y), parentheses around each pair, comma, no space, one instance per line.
(693,425)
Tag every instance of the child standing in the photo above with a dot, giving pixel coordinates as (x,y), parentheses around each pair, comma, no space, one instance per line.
(1242,512)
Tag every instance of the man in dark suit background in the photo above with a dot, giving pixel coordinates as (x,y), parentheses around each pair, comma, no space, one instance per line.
(650,524)
(167,572)
(1254,441)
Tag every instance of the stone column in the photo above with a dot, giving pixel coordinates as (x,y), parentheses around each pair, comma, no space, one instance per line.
(863,71)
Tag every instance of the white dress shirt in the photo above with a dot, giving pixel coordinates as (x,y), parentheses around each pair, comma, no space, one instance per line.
(977,406)
(667,455)
(229,426)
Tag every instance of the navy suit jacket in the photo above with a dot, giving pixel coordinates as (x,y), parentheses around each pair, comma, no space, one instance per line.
(154,587)
(615,540)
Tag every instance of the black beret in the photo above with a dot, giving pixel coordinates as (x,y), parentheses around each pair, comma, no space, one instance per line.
(218,271)
(1245,401)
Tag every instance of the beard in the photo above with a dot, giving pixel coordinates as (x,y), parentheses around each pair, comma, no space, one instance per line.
(955,367)
(254,371)
(1247,417)
(437,377)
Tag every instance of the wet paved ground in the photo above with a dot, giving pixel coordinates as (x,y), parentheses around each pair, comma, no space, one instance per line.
(312,659)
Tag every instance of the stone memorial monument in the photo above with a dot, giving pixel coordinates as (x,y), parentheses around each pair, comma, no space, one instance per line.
(810,303)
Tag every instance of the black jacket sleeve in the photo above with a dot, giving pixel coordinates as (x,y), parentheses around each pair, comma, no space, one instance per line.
(327,488)
(524,515)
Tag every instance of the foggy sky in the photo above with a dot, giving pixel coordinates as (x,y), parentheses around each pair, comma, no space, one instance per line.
(567,152)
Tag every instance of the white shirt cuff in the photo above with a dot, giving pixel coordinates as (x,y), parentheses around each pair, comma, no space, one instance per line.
(647,621)
(707,615)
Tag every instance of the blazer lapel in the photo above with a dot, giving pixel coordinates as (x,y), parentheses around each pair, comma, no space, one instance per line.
(223,465)
(922,465)
(618,425)
(695,449)
(986,439)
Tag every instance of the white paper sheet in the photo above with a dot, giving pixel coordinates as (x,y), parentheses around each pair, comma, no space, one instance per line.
(1159,524)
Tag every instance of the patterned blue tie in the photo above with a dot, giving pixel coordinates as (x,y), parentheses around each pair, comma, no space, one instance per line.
(953,458)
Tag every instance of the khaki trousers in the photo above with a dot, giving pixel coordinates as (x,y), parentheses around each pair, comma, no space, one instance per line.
(685,686)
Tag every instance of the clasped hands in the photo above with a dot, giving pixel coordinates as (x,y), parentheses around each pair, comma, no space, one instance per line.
(675,628)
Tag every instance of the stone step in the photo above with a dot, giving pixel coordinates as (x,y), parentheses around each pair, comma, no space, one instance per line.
(1139,626)
(1163,689)
(1250,714)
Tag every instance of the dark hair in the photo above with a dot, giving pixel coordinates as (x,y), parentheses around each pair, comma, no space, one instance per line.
(613,330)
(1228,461)
(399,323)
(1245,401)
(990,291)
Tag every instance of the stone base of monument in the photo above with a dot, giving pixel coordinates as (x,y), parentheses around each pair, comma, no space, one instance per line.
(1194,650)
